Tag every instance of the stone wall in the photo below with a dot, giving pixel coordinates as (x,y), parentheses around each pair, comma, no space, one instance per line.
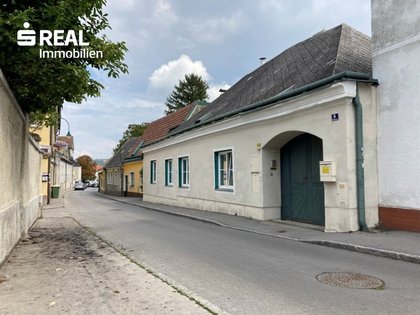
(20,170)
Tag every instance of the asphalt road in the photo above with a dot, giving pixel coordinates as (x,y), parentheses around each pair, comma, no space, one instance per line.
(245,273)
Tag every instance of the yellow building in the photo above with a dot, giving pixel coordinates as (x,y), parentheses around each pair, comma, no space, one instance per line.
(58,168)
(132,167)
(45,139)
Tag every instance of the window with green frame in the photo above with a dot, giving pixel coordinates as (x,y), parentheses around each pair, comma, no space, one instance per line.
(153,177)
(169,172)
(184,171)
(223,170)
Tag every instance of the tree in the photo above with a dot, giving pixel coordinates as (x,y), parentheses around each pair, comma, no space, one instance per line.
(88,167)
(42,85)
(192,88)
(133,130)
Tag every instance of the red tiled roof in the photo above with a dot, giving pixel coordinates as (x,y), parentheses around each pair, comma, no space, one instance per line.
(159,128)
(156,131)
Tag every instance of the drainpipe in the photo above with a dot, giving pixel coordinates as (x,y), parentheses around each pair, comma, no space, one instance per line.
(49,167)
(360,172)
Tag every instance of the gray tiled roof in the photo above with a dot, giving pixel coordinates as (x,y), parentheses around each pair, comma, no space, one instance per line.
(118,157)
(326,53)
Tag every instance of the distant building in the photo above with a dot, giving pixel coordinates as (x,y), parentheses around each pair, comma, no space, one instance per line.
(114,172)
(132,170)
(124,171)
(66,168)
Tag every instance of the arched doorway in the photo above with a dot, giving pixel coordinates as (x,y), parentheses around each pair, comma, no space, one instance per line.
(302,192)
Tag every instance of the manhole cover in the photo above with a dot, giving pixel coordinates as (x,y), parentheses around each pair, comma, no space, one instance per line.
(350,280)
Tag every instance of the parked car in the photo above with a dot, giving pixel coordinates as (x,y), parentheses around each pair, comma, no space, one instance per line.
(79,186)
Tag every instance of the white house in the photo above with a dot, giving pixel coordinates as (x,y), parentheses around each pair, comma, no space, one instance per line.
(294,140)
(396,64)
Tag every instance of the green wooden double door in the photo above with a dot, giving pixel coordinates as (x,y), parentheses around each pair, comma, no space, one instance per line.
(302,193)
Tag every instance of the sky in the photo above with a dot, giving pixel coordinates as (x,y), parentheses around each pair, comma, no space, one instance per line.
(219,40)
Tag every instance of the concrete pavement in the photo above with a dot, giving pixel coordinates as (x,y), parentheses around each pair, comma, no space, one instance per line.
(62,267)
(391,244)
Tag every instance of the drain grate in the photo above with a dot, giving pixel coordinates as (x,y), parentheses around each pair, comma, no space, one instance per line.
(350,280)
(115,210)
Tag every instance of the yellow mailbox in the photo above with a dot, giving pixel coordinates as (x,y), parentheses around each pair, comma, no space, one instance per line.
(327,171)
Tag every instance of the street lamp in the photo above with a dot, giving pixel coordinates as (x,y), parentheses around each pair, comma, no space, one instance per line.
(68,126)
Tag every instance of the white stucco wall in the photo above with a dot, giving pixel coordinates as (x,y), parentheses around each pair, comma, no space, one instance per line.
(396,64)
(77,173)
(257,187)
(31,186)
(64,171)
(20,169)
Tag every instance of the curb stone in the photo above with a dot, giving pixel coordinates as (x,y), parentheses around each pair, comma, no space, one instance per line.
(367,250)
(333,244)
(210,307)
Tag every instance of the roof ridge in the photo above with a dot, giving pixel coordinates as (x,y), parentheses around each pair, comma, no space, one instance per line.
(339,47)
(136,150)
(337,50)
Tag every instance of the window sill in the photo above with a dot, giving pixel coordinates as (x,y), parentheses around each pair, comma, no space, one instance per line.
(225,189)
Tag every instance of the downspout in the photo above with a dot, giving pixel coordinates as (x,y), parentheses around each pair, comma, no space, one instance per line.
(360,172)
(49,168)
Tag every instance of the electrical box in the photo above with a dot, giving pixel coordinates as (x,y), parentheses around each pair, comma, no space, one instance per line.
(327,171)
(255,165)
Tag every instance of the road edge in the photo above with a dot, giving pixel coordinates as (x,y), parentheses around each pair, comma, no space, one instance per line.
(205,304)
(326,243)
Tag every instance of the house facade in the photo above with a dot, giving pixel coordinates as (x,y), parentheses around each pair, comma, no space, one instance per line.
(65,167)
(396,64)
(113,170)
(58,168)
(45,134)
(123,173)
(288,141)
(133,169)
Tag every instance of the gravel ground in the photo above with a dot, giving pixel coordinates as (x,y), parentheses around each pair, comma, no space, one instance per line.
(63,269)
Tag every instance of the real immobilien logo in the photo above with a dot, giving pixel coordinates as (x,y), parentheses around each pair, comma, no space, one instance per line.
(57,38)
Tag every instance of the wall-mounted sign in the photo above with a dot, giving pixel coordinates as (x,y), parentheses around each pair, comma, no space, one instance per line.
(335,117)
(46,149)
(44,177)
(273,165)
(327,171)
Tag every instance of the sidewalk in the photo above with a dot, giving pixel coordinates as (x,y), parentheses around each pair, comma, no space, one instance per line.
(63,268)
(59,202)
(392,244)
